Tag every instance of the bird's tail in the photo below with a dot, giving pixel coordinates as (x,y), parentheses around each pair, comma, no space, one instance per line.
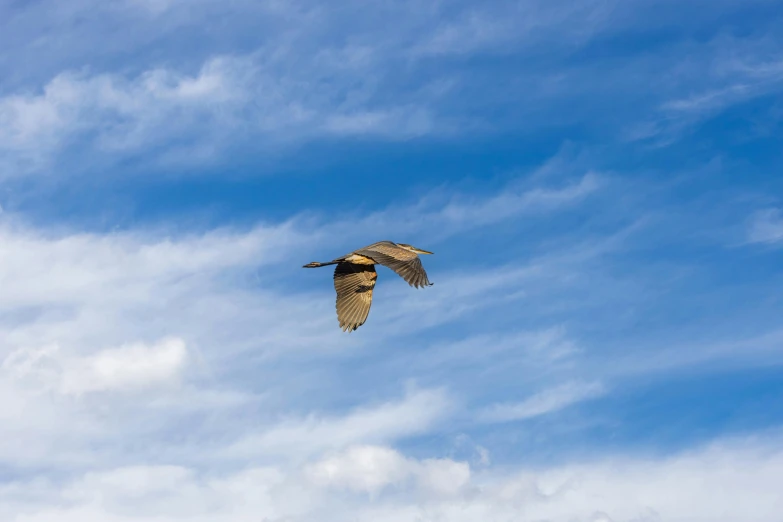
(316,264)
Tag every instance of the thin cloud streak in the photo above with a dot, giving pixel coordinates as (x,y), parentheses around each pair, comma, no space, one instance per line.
(155,374)
(544,402)
(417,413)
(95,296)
(766,227)
(302,83)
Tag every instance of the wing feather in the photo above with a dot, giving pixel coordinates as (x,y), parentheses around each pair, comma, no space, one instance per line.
(404,262)
(354,285)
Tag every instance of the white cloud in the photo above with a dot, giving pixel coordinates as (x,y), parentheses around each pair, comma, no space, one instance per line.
(538,349)
(84,292)
(499,27)
(372,468)
(85,314)
(95,290)
(124,114)
(363,468)
(74,304)
(253,383)
(676,487)
(443,477)
(403,122)
(442,214)
(131,334)
(127,367)
(515,202)
(751,80)
(731,74)
(415,414)
(308,75)
(545,402)
(197,115)
(766,227)
(215,347)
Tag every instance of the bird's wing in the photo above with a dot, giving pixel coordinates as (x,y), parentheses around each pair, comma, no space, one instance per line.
(406,263)
(354,285)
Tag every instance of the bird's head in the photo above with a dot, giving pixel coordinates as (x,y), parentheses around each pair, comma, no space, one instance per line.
(413,249)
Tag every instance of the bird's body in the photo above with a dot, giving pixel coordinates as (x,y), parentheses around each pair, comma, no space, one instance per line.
(357,259)
(355,275)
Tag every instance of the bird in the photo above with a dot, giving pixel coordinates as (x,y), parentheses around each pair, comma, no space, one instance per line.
(355,275)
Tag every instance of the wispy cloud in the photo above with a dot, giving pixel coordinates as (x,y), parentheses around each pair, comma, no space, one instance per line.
(157,374)
(500,27)
(301,80)
(766,227)
(544,402)
(418,412)
(444,213)
(127,367)
(75,305)
(393,486)
(90,318)
(751,80)
(202,113)
(731,77)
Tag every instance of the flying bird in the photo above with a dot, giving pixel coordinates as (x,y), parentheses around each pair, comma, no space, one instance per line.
(354,277)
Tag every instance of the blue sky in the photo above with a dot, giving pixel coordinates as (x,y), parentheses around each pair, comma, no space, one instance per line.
(600,182)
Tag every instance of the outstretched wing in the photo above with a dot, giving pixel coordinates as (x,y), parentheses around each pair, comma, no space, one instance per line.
(354,285)
(404,262)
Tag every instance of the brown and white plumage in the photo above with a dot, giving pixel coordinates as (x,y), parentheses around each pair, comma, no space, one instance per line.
(354,285)
(354,277)
(403,261)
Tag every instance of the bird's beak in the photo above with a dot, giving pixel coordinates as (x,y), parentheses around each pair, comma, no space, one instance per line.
(423,252)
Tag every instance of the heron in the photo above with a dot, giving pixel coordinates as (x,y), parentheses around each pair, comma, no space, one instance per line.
(355,275)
